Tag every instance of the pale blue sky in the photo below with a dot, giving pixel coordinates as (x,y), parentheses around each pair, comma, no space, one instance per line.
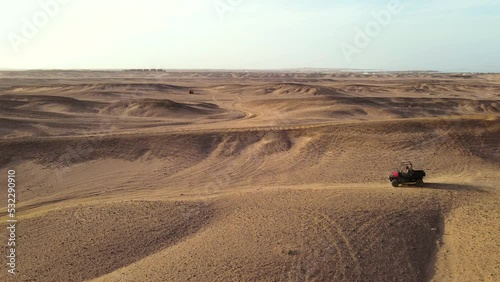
(445,35)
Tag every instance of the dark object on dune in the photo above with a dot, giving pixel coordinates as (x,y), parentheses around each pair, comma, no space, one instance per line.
(406,174)
(191,91)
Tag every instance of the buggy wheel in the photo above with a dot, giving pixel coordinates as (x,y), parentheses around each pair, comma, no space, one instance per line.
(420,183)
(395,183)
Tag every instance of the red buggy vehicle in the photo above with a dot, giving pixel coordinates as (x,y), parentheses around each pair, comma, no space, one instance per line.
(406,174)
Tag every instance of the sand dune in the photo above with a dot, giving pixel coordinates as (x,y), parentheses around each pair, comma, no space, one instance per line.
(155,108)
(282,176)
(55,104)
(301,235)
(94,240)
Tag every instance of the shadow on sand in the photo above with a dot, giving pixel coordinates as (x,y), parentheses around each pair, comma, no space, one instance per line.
(449,186)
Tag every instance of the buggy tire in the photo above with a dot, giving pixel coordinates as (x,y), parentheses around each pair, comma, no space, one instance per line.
(420,183)
(395,183)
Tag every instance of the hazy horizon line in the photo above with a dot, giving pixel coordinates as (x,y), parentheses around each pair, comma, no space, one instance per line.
(306,69)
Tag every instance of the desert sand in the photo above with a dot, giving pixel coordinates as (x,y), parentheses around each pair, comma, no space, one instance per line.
(251,176)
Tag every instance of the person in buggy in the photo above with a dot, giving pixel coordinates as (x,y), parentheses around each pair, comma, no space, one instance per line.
(408,171)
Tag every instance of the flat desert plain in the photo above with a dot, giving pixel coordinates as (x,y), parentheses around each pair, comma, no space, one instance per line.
(250,176)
